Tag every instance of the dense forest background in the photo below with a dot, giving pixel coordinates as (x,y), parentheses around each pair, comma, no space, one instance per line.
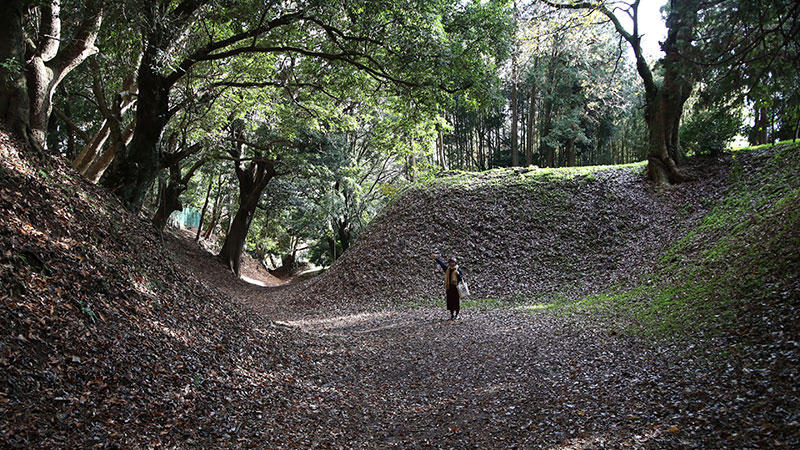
(281,129)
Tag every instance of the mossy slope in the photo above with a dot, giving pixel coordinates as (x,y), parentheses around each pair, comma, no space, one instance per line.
(737,271)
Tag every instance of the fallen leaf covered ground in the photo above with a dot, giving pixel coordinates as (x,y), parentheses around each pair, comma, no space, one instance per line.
(111,338)
(520,234)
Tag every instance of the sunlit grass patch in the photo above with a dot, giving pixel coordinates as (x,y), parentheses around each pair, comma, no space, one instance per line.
(524,175)
(789,142)
(742,254)
(535,307)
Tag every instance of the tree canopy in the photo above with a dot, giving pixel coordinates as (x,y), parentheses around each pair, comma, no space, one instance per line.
(289,124)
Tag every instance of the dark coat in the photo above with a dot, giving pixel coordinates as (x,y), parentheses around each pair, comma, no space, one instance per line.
(453,293)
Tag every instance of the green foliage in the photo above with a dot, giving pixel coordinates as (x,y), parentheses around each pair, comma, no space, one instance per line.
(710,130)
(11,69)
(750,55)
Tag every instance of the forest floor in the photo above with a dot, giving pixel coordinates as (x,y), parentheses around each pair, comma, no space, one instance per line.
(110,338)
(498,377)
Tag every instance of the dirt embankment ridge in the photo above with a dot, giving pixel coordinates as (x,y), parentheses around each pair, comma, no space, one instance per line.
(106,339)
(518,234)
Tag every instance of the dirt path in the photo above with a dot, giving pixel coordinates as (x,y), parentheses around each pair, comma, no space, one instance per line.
(494,378)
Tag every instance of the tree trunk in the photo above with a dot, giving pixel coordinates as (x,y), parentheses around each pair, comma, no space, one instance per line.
(70,153)
(176,184)
(101,163)
(547,149)
(94,157)
(664,104)
(514,118)
(40,94)
(412,161)
(570,151)
(14,103)
(531,114)
(216,210)
(169,202)
(232,248)
(51,62)
(289,260)
(662,118)
(481,156)
(204,209)
(345,236)
(440,148)
(92,148)
(252,182)
(759,135)
(139,164)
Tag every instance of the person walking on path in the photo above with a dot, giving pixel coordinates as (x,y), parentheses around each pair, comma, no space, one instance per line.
(452,276)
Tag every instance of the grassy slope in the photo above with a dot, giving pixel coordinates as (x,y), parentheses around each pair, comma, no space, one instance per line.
(736,272)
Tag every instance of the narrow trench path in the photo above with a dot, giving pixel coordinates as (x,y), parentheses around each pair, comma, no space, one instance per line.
(494,378)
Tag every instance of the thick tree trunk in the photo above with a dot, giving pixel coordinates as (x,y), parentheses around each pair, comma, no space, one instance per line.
(412,164)
(252,182)
(176,184)
(232,248)
(169,202)
(664,104)
(345,237)
(50,64)
(663,116)
(570,151)
(332,248)
(40,93)
(140,163)
(14,104)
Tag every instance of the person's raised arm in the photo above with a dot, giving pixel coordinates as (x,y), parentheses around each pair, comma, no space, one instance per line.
(441,262)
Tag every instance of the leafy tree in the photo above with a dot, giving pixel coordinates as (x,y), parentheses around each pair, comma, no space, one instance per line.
(395,43)
(715,36)
(752,56)
(41,44)
(708,130)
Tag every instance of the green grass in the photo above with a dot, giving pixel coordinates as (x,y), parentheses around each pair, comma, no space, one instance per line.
(505,176)
(744,251)
(763,146)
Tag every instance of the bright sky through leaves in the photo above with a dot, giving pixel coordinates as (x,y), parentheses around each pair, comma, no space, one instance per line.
(651,27)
